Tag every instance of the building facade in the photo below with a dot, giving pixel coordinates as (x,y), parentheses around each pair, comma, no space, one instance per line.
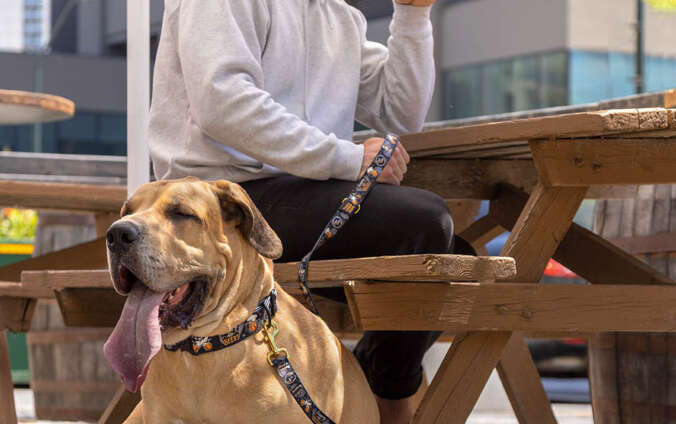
(492,56)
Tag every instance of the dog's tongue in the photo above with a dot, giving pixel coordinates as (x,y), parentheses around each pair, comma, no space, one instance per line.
(136,338)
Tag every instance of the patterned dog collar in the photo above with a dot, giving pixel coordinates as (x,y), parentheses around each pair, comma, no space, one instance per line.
(264,312)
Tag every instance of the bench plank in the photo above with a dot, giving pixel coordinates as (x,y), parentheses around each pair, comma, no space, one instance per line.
(75,197)
(332,272)
(460,307)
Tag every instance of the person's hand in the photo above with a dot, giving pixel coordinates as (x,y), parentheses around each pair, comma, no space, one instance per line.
(418,3)
(396,167)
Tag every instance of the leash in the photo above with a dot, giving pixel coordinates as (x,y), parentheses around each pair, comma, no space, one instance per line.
(278,358)
(350,206)
(262,317)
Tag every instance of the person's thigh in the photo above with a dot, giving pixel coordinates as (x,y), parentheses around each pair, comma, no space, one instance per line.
(393,220)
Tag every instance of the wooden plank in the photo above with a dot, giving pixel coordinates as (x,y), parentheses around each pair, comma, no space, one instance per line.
(463,212)
(410,267)
(584,124)
(56,280)
(119,408)
(90,307)
(657,243)
(460,307)
(584,162)
(16,313)
(547,208)
(482,231)
(544,220)
(7,411)
(457,384)
(52,164)
(580,244)
(469,179)
(76,197)
(528,397)
(11,289)
(86,255)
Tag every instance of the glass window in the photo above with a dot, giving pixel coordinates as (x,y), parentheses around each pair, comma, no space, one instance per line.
(463,93)
(85,133)
(521,83)
(496,89)
(554,79)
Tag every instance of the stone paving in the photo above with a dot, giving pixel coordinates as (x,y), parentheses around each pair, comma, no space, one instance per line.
(566,414)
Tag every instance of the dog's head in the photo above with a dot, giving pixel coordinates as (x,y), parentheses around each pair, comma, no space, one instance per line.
(171,247)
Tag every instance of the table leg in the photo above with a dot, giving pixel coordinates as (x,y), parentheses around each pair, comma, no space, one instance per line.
(7,410)
(544,221)
(119,408)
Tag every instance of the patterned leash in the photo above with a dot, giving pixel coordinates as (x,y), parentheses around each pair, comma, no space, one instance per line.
(349,207)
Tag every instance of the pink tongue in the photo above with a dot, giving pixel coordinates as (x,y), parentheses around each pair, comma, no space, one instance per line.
(136,338)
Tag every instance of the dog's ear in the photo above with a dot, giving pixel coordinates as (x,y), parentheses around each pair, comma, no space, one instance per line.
(235,201)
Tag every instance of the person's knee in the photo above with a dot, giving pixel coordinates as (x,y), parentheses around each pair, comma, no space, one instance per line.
(433,225)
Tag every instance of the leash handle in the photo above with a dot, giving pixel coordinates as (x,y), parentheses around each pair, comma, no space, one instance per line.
(349,207)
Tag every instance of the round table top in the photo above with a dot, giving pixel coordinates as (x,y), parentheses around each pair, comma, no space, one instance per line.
(24,107)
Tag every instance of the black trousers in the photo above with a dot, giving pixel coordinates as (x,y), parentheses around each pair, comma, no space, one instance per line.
(393,220)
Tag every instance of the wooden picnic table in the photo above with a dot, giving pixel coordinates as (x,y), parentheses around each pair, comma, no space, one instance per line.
(535,172)
(25,107)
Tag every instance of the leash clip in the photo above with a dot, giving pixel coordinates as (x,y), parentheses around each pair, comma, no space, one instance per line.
(270,330)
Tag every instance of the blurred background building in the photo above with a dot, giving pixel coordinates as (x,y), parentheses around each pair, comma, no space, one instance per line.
(492,56)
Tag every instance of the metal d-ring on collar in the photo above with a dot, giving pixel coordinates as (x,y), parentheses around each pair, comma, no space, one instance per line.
(349,207)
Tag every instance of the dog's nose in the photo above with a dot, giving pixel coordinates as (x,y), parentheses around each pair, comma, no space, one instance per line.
(121,236)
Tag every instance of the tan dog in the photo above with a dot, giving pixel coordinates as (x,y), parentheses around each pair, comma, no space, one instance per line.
(200,252)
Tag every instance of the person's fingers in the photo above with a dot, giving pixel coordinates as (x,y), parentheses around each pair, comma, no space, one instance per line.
(388,176)
(400,160)
(396,169)
(402,150)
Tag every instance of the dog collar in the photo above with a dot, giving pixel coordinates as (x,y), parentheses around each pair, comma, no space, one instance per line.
(264,312)
(278,358)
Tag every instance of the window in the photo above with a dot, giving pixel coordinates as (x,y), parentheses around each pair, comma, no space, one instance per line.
(85,133)
(520,83)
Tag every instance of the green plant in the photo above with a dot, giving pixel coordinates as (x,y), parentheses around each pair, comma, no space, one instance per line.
(18,223)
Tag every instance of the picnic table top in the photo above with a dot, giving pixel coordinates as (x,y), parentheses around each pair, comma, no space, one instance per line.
(503,143)
(24,107)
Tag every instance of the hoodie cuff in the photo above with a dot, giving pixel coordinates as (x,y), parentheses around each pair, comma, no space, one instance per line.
(410,16)
(347,161)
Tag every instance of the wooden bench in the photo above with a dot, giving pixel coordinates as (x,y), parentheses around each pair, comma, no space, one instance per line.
(86,297)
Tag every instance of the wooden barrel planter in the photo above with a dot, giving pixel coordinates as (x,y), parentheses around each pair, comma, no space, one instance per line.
(633,376)
(70,378)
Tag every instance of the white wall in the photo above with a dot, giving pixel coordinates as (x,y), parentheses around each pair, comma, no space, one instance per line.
(11,25)
(608,25)
(485,30)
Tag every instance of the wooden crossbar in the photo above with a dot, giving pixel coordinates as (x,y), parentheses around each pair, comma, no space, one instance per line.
(460,307)
(75,197)
(11,289)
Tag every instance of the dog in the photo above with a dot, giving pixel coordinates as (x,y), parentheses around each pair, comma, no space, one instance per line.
(194,258)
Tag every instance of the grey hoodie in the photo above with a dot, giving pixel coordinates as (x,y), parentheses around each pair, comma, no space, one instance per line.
(247,89)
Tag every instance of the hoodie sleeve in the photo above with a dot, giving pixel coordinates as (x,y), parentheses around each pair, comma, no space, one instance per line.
(397,81)
(220,44)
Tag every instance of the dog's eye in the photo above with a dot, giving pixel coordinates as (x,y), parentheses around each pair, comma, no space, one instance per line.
(181,214)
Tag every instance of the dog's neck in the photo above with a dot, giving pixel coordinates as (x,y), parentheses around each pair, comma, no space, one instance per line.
(248,278)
